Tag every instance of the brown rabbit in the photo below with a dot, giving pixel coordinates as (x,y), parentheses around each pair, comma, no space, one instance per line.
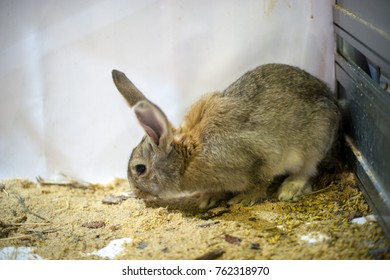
(275,119)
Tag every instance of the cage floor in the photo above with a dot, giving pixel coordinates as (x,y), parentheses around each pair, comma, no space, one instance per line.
(73,221)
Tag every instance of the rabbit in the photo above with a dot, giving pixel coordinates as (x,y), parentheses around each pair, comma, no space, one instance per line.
(275,119)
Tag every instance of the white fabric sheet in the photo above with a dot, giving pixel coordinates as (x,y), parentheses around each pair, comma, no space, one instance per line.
(59,109)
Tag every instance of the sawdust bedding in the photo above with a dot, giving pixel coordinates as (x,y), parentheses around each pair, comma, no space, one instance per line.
(72,220)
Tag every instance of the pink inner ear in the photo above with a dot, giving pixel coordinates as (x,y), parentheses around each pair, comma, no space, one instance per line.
(149,131)
(152,120)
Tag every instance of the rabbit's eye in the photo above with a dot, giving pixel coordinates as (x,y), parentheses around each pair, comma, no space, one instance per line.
(140,169)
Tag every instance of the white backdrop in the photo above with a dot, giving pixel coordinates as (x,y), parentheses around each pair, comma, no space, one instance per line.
(59,109)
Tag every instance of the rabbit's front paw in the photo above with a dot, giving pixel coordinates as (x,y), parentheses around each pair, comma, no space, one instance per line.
(293,189)
(248,198)
(210,200)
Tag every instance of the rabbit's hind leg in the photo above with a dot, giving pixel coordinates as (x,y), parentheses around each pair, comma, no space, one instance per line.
(298,184)
(294,187)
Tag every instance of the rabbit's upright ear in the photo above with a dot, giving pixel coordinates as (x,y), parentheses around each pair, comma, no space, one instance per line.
(127,88)
(155,123)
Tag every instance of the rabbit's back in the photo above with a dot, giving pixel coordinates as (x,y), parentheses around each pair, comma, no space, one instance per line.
(275,78)
(283,102)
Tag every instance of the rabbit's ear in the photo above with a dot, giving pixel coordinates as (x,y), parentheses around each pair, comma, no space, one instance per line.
(154,122)
(127,88)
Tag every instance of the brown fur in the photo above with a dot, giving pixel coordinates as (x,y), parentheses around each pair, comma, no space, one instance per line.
(275,119)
